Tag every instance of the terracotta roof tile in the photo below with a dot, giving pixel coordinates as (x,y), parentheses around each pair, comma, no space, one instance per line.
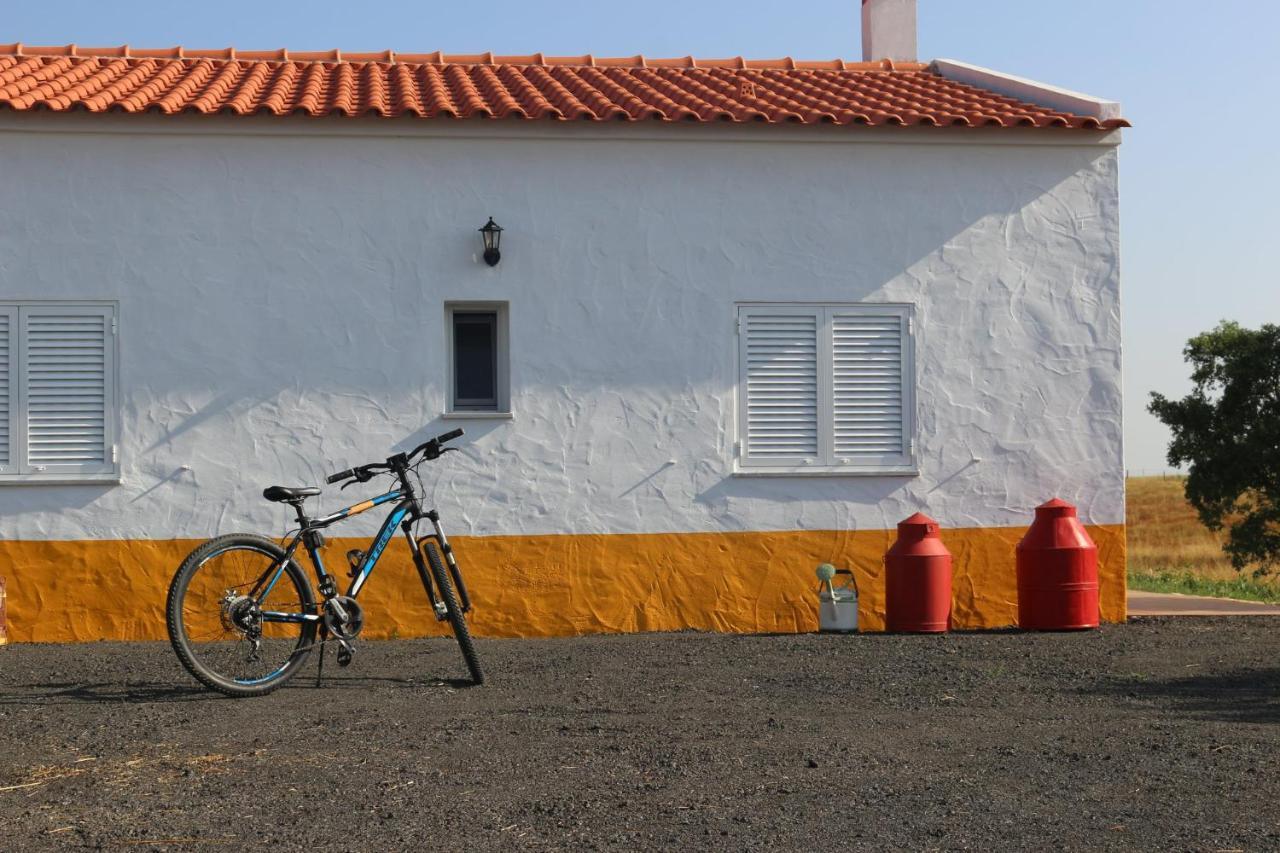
(574,88)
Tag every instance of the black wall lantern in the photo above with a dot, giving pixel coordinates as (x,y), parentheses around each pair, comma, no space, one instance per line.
(492,234)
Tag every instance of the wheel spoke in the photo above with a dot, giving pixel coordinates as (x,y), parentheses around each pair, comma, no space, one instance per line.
(223,627)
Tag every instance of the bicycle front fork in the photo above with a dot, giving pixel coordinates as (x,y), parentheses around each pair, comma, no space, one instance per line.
(446,550)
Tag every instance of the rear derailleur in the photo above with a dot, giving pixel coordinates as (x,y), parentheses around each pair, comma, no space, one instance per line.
(241,613)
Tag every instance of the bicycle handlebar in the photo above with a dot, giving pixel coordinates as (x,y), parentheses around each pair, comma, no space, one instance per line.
(434,444)
(363,473)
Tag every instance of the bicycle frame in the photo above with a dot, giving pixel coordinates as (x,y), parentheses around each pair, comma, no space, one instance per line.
(405,513)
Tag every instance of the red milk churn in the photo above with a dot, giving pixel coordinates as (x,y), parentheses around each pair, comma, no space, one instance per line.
(918,579)
(1057,572)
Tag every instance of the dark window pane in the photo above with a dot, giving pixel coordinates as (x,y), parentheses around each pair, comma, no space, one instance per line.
(475,358)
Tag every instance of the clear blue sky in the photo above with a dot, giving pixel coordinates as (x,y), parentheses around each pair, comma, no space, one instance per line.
(1200,171)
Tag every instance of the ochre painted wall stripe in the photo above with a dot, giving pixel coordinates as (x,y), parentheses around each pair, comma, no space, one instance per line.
(540,586)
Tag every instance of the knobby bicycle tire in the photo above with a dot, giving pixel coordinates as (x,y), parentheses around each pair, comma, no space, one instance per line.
(457,619)
(181,642)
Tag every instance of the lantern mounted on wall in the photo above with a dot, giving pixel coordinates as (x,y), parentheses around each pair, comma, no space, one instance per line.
(491,233)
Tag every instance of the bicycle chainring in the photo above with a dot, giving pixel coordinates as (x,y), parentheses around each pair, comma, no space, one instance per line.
(347,628)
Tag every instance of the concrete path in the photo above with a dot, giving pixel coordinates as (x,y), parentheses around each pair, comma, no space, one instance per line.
(1173,604)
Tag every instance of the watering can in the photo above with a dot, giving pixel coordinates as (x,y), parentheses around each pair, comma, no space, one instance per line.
(837,605)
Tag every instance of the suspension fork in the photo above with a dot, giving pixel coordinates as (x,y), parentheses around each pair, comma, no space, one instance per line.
(464,599)
(420,563)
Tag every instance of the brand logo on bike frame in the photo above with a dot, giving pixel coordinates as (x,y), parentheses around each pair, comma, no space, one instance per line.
(384,536)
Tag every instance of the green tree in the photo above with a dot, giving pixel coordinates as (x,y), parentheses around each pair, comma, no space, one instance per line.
(1227,431)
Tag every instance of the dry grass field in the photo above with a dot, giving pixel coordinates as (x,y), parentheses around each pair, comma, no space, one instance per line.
(1171,551)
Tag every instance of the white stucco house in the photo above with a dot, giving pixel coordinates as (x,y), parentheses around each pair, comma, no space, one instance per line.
(747,316)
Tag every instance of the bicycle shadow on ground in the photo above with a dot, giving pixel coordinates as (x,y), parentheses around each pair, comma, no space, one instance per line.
(56,693)
(107,693)
(1235,696)
(362,682)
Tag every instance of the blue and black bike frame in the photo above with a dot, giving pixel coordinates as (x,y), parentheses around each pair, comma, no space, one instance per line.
(406,513)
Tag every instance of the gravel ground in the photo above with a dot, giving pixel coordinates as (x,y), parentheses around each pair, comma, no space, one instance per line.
(1161,734)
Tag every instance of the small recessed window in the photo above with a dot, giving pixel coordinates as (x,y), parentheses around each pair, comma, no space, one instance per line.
(477,357)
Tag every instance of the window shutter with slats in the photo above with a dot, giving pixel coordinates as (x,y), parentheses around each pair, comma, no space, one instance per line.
(779,351)
(870,424)
(826,388)
(67,389)
(8,403)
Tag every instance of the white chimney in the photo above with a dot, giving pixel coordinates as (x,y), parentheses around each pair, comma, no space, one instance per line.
(889,30)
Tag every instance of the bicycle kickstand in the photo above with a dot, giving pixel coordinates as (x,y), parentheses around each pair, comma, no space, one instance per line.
(324,641)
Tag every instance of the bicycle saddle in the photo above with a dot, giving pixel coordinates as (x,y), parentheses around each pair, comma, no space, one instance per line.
(287,494)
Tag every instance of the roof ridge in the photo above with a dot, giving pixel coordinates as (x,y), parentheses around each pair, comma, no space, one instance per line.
(392,57)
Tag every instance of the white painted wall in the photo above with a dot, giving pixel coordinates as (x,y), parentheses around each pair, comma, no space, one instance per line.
(281,301)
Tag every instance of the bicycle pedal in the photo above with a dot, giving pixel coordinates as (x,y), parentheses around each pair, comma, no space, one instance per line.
(345,653)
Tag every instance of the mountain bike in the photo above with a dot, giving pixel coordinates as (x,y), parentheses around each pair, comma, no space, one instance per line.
(242,615)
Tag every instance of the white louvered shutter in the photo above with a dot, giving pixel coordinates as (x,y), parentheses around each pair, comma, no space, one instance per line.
(67,389)
(779,352)
(8,403)
(827,388)
(870,397)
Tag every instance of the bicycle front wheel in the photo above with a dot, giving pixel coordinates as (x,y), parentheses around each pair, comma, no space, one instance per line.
(457,619)
(224,633)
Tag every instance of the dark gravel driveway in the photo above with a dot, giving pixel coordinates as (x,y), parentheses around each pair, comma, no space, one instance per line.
(1162,734)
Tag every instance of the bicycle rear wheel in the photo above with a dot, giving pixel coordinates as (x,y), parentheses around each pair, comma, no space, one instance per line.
(216,626)
(457,619)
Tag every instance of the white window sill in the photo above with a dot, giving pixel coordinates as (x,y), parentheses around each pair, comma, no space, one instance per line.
(59,480)
(477,416)
(808,471)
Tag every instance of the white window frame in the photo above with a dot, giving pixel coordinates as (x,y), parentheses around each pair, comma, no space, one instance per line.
(19,472)
(502,409)
(827,463)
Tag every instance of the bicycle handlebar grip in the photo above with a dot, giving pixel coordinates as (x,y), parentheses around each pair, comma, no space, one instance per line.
(340,476)
(449,436)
